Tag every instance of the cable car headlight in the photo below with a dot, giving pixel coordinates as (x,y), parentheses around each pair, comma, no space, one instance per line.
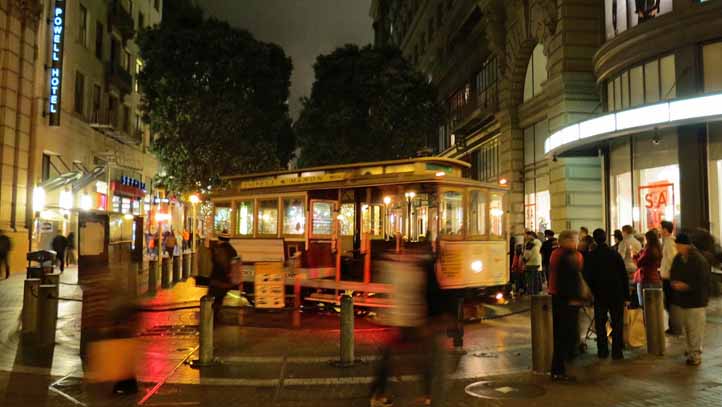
(477,266)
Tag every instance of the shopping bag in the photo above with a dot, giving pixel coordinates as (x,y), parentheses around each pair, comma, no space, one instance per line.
(635,336)
(111,360)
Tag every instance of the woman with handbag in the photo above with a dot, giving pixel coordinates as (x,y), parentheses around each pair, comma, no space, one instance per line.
(649,261)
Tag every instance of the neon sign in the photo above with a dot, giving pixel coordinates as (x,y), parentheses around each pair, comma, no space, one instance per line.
(56,61)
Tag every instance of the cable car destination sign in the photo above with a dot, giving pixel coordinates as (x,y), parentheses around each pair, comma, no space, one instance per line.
(57,37)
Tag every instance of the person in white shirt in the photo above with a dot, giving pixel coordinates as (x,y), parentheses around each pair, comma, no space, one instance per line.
(628,248)
(669,250)
(533,263)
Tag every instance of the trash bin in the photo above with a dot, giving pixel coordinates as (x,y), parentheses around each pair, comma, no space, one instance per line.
(40,263)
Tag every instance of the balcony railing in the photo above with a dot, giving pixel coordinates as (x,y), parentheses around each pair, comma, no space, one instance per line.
(120,19)
(118,77)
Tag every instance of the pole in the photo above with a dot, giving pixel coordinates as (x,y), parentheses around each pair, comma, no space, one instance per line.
(30,306)
(206,331)
(47,314)
(347,328)
(542,346)
(654,320)
(165,272)
(194,255)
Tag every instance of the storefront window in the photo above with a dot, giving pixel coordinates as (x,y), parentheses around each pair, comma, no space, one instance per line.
(452,214)
(714,131)
(245,217)
(496,214)
(116,204)
(537,211)
(712,57)
(477,213)
(268,217)
(294,216)
(347,219)
(125,205)
(322,224)
(222,219)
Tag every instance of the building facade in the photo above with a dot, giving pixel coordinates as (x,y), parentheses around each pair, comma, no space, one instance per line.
(72,127)
(510,72)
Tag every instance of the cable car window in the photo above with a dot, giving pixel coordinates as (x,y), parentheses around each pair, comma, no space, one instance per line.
(294,216)
(268,217)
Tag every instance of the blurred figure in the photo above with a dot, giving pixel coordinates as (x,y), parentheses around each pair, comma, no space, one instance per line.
(222,255)
(628,248)
(690,278)
(421,313)
(5,246)
(583,233)
(564,273)
(586,244)
(607,277)
(59,245)
(669,251)
(648,262)
(70,251)
(532,263)
(618,237)
(517,270)
(170,242)
(548,246)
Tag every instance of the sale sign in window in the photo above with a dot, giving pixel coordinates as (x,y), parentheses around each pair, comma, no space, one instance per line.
(657,201)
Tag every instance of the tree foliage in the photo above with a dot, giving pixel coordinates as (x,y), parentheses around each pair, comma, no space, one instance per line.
(366,104)
(215,97)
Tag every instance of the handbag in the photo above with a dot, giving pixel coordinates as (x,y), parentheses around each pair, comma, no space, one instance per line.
(635,335)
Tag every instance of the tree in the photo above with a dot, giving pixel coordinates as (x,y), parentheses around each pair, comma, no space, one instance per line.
(366,104)
(215,97)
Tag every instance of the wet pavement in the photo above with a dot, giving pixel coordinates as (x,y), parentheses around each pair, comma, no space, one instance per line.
(266,362)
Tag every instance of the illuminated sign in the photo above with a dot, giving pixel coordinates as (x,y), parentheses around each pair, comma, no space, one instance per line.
(57,37)
(279,182)
(617,124)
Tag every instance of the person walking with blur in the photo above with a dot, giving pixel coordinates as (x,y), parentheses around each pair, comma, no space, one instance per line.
(607,277)
(548,246)
(565,270)
(690,279)
(648,263)
(5,246)
(532,263)
(60,244)
(669,251)
(222,255)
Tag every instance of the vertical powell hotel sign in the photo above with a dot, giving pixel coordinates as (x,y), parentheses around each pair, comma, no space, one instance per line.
(57,37)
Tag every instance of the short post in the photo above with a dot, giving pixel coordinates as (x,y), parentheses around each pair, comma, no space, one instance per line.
(176,269)
(30,306)
(47,314)
(542,334)
(186,266)
(654,320)
(165,272)
(206,331)
(152,276)
(347,328)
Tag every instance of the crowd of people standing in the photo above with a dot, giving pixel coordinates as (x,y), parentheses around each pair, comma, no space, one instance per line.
(575,263)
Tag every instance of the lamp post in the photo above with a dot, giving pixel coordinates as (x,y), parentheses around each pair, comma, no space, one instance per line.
(409,199)
(194,227)
(387,201)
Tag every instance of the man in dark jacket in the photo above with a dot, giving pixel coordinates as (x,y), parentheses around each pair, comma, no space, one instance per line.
(548,246)
(690,278)
(565,267)
(222,255)
(607,277)
(59,244)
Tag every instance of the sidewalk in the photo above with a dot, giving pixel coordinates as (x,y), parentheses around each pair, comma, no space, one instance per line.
(268,363)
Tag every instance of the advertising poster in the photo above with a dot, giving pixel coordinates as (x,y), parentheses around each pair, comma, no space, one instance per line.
(658,203)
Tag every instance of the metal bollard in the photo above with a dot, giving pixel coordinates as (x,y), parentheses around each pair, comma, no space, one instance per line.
(347,328)
(206,331)
(176,269)
(186,266)
(165,273)
(152,276)
(654,320)
(542,333)
(47,314)
(31,306)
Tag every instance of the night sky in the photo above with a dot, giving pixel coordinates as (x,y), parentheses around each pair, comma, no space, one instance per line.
(304,28)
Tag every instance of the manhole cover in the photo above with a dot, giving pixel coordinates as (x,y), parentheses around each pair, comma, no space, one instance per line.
(504,390)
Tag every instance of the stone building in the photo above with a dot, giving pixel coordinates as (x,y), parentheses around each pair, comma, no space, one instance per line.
(81,138)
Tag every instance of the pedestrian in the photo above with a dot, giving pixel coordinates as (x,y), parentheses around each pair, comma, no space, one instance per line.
(548,246)
(70,251)
(222,255)
(170,242)
(628,248)
(532,263)
(5,246)
(607,277)
(648,263)
(565,270)
(586,244)
(618,237)
(690,278)
(583,233)
(517,270)
(59,245)
(669,251)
